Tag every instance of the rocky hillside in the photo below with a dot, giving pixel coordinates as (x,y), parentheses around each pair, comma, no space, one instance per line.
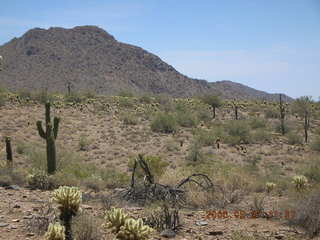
(87,57)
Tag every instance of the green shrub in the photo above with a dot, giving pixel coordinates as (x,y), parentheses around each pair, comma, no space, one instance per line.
(129,118)
(146,99)
(312,169)
(307,213)
(114,178)
(186,119)
(3,96)
(271,113)
(195,154)
(239,132)
(21,148)
(74,97)
(261,135)
(204,115)
(205,137)
(126,102)
(84,142)
(287,128)
(294,138)
(156,164)
(257,123)
(315,145)
(164,123)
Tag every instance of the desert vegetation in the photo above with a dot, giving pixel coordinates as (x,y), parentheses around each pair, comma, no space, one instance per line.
(140,167)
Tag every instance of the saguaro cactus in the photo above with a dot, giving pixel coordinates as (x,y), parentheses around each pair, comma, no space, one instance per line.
(9,151)
(282,115)
(1,63)
(50,135)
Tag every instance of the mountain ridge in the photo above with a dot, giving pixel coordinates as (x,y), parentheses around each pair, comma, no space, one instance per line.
(88,57)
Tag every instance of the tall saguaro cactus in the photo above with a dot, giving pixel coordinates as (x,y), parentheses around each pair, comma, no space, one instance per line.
(9,151)
(50,135)
(282,114)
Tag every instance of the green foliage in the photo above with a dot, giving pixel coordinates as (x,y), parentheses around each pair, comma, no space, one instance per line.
(74,97)
(114,178)
(271,113)
(84,142)
(287,128)
(156,165)
(307,213)
(205,137)
(261,136)
(238,131)
(311,169)
(3,96)
(257,123)
(195,154)
(294,138)
(315,145)
(213,101)
(146,99)
(126,102)
(186,119)
(164,123)
(129,118)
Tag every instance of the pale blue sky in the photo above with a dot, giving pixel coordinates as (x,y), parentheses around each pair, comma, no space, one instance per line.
(271,45)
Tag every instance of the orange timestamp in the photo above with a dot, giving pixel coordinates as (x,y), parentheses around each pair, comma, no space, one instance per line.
(240,214)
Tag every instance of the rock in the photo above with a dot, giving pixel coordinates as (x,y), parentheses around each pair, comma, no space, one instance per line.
(215,233)
(4,224)
(12,187)
(279,236)
(202,223)
(30,234)
(168,233)
(86,207)
(16,206)
(15,220)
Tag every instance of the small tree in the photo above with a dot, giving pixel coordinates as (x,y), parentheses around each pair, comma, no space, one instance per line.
(214,102)
(303,107)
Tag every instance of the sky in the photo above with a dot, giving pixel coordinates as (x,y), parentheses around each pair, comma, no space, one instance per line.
(270,45)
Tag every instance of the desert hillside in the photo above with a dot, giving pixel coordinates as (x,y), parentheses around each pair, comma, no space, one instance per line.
(87,58)
(252,182)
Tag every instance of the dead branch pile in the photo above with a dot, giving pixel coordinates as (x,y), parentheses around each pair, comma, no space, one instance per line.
(149,190)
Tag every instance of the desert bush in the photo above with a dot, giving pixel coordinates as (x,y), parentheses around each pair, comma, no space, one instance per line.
(287,128)
(315,145)
(126,102)
(307,213)
(311,169)
(164,123)
(271,113)
(204,115)
(86,227)
(129,118)
(195,155)
(3,96)
(257,123)
(260,136)
(258,204)
(84,142)
(21,147)
(38,179)
(114,178)
(163,217)
(156,165)
(205,137)
(126,93)
(294,138)
(74,97)
(186,119)
(10,176)
(239,132)
(146,99)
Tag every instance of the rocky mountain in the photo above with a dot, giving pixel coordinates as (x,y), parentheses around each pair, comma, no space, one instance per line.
(87,57)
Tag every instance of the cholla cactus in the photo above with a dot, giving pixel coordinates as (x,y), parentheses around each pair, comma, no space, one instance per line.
(134,230)
(270,186)
(55,232)
(300,182)
(69,200)
(115,219)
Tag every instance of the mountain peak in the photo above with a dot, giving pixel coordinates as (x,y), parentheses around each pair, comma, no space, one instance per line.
(91,58)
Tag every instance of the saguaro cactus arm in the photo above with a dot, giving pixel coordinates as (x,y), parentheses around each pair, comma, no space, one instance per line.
(55,127)
(40,130)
